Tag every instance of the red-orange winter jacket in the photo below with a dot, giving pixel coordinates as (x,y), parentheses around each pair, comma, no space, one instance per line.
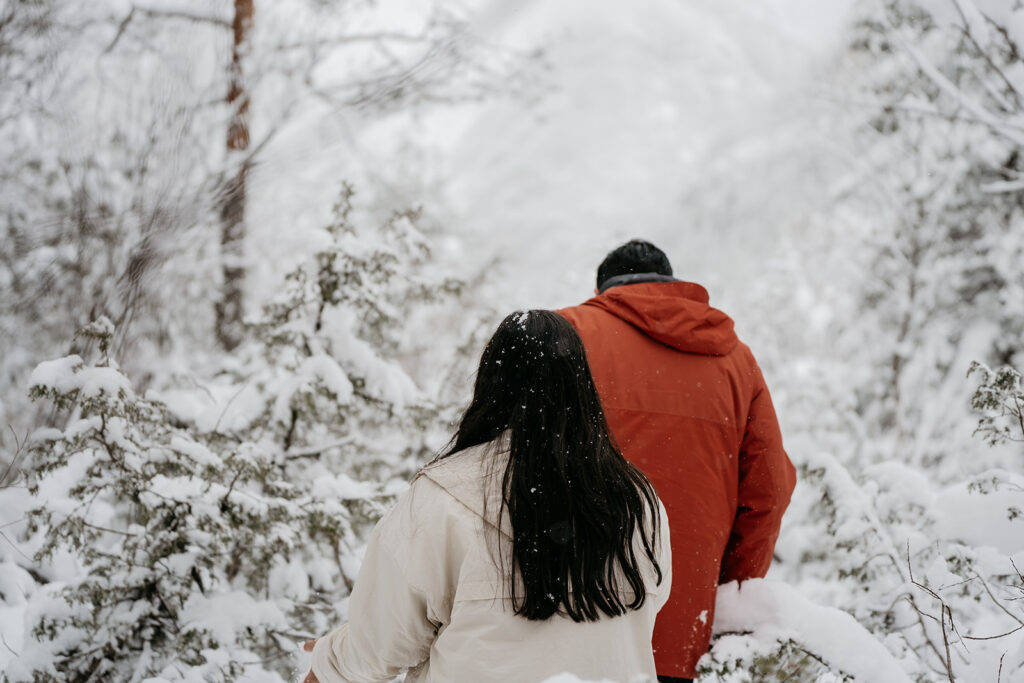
(686,402)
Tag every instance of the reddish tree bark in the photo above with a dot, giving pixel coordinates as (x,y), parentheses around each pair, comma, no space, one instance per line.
(232,212)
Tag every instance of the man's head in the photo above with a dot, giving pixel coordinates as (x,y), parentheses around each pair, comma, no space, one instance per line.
(635,256)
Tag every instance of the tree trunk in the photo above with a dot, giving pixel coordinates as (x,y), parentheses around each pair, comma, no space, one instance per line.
(232,210)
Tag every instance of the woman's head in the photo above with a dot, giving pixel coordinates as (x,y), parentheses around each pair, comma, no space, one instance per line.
(574,503)
(533,377)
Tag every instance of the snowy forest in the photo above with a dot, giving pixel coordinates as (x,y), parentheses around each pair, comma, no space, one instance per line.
(252,249)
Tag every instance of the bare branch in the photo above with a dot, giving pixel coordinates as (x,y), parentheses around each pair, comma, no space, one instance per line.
(121,28)
(997,637)
(10,472)
(352,38)
(945,640)
(161,13)
(1014,564)
(947,660)
(11,650)
(986,56)
(13,545)
(935,75)
(109,530)
(315,451)
(227,405)
(186,16)
(1004,187)
(924,630)
(998,603)
(1015,52)
(924,111)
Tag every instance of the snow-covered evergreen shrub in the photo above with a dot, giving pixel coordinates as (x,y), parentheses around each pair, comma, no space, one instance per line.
(216,526)
(929,568)
(901,518)
(767,631)
(190,552)
(740,658)
(1000,400)
(325,354)
(941,236)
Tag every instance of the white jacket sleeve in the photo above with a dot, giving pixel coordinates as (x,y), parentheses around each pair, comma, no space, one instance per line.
(664,558)
(389,628)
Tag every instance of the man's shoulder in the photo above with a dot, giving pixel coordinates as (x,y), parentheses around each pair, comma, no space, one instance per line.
(743,351)
(570,312)
(586,311)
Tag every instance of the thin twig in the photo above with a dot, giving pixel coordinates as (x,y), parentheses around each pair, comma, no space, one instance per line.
(121,28)
(984,54)
(1014,565)
(16,548)
(352,38)
(315,451)
(939,79)
(921,614)
(997,602)
(227,405)
(18,446)
(187,16)
(1001,635)
(107,530)
(11,650)
(945,641)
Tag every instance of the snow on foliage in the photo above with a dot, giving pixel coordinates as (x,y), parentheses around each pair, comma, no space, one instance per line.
(210,551)
(200,517)
(169,533)
(998,398)
(902,518)
(758,618)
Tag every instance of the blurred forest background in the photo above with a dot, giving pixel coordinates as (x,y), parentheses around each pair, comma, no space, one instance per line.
(251,249)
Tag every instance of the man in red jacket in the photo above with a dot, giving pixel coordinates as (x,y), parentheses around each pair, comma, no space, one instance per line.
(687,404)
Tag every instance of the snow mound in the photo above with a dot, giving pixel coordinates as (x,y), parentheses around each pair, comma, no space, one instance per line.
(773,612)
(68,374)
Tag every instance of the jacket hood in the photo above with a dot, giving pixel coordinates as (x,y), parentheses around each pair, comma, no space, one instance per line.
(473,477)
(676,314)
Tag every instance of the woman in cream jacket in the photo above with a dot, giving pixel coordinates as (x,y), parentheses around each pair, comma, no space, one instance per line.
(530,548)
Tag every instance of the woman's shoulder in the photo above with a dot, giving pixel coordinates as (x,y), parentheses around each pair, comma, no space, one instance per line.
(473,463)
(471,477)
(447,495)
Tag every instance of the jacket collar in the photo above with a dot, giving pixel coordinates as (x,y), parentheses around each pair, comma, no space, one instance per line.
(632,279)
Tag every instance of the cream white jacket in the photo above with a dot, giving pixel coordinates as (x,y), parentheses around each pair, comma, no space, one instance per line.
(429,597)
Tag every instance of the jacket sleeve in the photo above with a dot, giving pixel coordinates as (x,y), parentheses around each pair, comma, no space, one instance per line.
(389,628)
(766,482)
(664,558)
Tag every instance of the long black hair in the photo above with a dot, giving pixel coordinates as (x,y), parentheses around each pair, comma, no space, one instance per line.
(574,503)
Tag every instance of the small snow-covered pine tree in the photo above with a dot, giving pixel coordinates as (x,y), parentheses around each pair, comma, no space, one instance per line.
(185,553)
(210,538)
